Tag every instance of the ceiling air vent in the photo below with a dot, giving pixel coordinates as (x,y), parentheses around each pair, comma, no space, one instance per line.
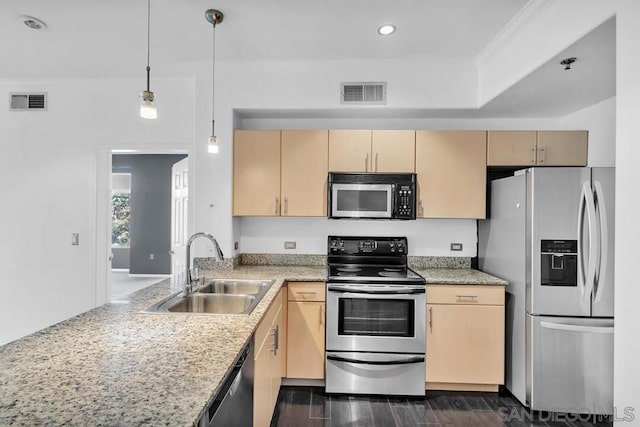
(27,101)
(363,93)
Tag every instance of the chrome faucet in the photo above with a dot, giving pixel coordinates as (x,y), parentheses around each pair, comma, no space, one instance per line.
(193,276)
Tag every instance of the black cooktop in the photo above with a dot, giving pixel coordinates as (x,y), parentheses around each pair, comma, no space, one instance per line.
(349,273)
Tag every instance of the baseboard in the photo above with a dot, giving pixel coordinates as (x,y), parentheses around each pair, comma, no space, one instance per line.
(462,387)
(305,382)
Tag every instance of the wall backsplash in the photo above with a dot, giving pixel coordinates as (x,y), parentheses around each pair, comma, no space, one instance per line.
(426,237)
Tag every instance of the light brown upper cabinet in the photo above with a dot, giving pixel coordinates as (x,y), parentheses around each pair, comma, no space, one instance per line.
(350,150)
(256,172)
(280,172)
(537,148)
(303,187)
(372,151)
(562,148)
(393,151)
(451,169)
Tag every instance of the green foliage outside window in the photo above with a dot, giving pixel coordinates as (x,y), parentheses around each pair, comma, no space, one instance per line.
(120,219)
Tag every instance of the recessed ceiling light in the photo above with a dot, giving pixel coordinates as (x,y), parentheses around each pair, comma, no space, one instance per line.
(32,22)
(386,29)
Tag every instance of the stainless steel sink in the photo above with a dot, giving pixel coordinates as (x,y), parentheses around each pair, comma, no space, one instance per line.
(216,297)
(244,287)
(214,304)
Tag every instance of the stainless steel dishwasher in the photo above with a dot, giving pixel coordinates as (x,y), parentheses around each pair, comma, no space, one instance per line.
(233,405)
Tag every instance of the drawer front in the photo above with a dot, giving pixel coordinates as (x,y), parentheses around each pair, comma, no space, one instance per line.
(465,294)
(306,291)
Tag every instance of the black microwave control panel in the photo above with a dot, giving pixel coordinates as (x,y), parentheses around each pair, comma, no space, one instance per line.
(405,202)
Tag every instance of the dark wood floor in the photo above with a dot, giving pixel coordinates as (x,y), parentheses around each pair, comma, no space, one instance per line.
(310,406)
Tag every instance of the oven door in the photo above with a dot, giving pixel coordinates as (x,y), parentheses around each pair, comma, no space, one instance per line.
(376,318)
(361,200)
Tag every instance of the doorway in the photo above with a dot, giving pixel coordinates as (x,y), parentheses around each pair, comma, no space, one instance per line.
(143,234)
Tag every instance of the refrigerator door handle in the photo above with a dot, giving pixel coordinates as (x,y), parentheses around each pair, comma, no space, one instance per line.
(586,203)
(604,233)
(578,328)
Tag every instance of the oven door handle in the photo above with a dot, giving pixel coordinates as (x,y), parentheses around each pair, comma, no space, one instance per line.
(417,359)
(376,292)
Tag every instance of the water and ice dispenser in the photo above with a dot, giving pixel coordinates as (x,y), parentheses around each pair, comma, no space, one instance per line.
(559,262)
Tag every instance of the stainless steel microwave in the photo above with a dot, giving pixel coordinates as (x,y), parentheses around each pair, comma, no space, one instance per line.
(372,195)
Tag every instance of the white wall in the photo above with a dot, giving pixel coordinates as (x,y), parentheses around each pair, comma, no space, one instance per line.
(600,121)
(48,167)
(426,237)
(627,344)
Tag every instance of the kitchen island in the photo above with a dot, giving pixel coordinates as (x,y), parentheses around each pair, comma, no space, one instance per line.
(115,365)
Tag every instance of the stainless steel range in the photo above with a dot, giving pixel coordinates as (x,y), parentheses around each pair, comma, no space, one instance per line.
(375,328)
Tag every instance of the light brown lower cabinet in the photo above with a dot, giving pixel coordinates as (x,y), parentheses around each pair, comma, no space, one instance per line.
(305,330)
(465,337)
(268,354)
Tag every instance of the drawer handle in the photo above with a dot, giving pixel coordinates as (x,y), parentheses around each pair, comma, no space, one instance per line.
(471,298)
(303,293)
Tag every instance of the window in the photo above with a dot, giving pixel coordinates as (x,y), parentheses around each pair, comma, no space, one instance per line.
(120,209)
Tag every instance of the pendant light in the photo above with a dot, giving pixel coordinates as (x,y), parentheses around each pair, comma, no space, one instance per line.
(214,16)
(147,109)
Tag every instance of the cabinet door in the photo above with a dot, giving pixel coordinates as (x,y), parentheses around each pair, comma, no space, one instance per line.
(276,360)
(393,150)
(305,340)
(511,148)
(451,169)
(350,150)
(262,409)
(465,344)
(256,173)
(305,165)
(562,148)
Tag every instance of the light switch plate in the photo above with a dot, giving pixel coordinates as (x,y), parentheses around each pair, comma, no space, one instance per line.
(289,245)
(75,239)
(456,246)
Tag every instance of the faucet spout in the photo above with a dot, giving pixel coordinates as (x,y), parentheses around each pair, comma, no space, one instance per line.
(219,256)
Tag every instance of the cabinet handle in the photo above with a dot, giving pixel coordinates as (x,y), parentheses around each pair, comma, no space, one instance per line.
(430,319)
(470,298)
(303,293)
(376,162)
(320,315)
(544,155)
(276,339)
(286,205)
(421,209)
(277,205)
(366,162)
(533,155)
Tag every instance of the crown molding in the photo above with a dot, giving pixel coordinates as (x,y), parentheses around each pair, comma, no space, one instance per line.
(508,33)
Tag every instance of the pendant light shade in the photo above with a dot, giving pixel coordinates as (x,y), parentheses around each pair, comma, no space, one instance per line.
(147,108)
(214,17)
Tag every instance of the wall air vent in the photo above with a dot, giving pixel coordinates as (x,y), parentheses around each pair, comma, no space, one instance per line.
(27,101)
(363,93)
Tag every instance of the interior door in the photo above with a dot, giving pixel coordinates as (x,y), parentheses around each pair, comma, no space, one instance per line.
(179,209)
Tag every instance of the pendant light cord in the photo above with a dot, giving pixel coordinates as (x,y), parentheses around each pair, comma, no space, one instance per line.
(213,79)
(148,38)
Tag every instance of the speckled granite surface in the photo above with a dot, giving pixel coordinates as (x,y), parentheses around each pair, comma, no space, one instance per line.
(459,276)
(283,259)
(425,262)
(117,366)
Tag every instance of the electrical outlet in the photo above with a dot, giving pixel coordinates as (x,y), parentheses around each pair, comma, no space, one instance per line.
(75,239)
(235,246)
(289,245)
(456,246)
(152,257)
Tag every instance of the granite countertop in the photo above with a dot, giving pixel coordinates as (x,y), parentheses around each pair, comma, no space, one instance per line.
(459,276)
(115,365)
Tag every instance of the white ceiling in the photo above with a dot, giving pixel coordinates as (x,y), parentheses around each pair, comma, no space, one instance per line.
(99,38)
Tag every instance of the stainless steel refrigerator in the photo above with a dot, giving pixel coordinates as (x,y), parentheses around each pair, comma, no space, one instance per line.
(550,234)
